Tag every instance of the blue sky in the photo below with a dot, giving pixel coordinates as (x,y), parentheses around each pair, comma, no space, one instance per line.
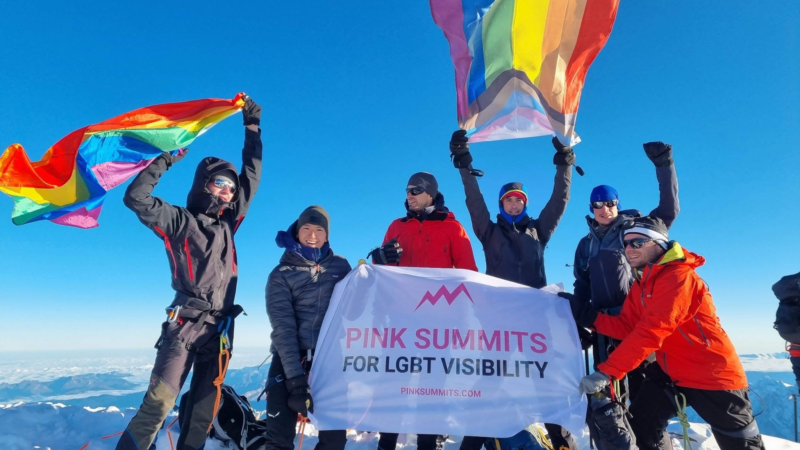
(359,95)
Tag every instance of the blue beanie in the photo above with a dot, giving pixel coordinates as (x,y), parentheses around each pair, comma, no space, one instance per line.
(507,189)
(603,193)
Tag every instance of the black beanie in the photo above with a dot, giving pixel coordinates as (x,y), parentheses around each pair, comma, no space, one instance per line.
(315,215)
(426,181)
(652,227)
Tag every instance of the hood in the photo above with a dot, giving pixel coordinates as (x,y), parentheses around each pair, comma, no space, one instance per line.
(437,211)
(679,255)
(200,200)
(509,187)
(286,240)
(788,287)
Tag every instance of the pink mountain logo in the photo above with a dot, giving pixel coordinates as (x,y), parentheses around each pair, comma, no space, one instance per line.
(449,297)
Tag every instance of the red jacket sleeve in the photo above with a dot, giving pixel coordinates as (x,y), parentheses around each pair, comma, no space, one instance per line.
(463,258)
(668,307)
(618,327)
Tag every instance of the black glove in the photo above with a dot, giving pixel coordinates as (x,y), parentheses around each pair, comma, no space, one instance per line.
(564,156)
(251,112)
(459,150)
(388,253)
(583,312)
(659,152)
(300,395)
(171,159)
(586,337)
(575,305)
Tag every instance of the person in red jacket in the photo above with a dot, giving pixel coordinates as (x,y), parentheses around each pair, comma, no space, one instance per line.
(669,311)
(428,236)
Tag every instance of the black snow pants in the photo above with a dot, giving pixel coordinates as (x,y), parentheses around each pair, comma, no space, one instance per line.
(184,345)
(388,441)
(282,421)
(729,413)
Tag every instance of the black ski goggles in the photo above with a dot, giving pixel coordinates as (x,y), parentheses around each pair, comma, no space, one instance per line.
(416,190)
(222,183)
(609,203)
(636,243)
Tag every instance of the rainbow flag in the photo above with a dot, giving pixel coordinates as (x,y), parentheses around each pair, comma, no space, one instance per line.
(68,185)
(521,64)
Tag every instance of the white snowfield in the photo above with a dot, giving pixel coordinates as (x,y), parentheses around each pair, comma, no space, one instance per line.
(49,426)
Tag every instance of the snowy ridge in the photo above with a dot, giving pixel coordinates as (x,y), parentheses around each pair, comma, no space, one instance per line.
(59,427)
(83,416)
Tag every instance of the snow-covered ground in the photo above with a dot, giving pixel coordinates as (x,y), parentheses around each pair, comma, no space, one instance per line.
(59,427)
(70,424)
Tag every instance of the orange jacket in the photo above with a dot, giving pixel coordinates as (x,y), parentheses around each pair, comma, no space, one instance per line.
(439,241)
(669,311)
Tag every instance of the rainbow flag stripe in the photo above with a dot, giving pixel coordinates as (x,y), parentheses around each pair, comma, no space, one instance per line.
(521,64)
(68,185)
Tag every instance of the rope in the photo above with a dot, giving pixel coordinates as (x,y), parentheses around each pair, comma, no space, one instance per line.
(112,435)
(265,361)
(543,439)
(302,432)
(169,435)
(763,404)
(684,419)
(223,369)
(497,443)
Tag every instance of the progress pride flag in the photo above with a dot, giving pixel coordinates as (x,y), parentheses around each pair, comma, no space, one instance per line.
(445,351)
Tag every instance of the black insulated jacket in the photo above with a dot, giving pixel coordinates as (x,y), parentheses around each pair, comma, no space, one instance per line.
(516,252)
(199,238)
(602,272)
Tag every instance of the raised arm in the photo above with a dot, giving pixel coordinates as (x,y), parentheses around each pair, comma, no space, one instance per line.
(668,204)
(250,175)
(476,205)
(155,213)
(554,209)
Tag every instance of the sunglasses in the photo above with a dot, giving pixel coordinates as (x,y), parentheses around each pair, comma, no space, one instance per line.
(636,243)
(223,183)
(415,190)
(609,203)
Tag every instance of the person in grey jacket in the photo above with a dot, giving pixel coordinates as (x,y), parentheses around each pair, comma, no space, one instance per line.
(299,290)
(514,244)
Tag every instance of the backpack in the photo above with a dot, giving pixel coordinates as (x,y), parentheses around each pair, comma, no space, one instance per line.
(524,440)
(235,421)
(787,317)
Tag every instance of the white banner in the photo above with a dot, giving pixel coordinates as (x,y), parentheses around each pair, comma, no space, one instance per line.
(445,351)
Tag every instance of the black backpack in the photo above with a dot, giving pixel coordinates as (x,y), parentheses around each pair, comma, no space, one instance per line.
(787,318)
(234,422)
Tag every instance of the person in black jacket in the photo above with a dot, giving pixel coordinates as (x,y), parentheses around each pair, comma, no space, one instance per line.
(603,275)
(299,290)
(514,244)
(787,317)
(202,259)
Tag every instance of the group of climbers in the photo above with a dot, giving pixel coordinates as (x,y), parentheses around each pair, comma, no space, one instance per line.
(638,302)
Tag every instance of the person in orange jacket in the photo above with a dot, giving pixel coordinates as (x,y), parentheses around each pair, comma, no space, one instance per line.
(428,236)
(669,311)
